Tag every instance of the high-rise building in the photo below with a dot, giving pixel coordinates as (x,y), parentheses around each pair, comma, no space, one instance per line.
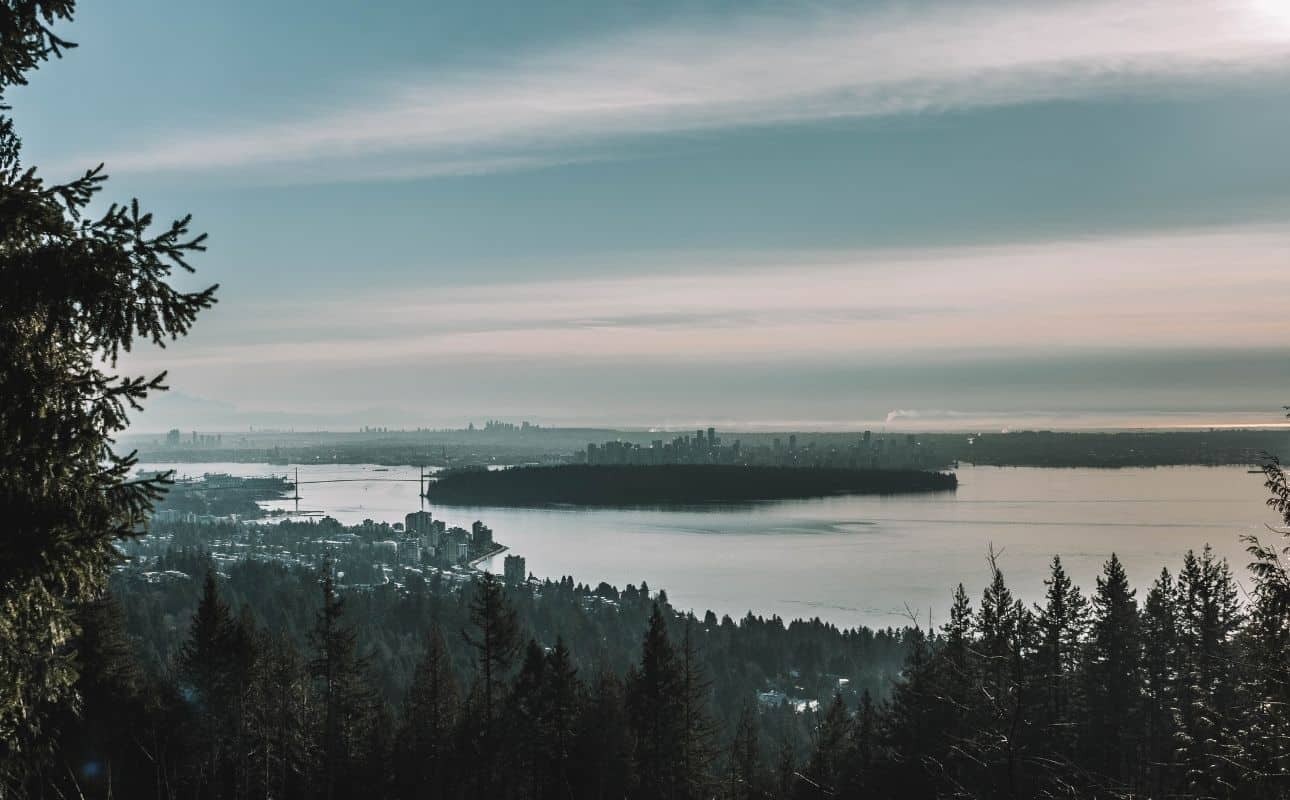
(417,522)
(514,570)
(481,534)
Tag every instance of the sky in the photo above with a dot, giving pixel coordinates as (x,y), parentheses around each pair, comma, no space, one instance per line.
(920,215)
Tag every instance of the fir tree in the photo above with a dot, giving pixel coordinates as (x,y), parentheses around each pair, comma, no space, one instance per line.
(281,720)
(1159,630)
(1209,615)
(1114,676)
(654,691)
(345,700)
(562,701)
(745,771)
(495,639)
(957,688)
(99,737)
(1005,634)
(206,670)
(832,752)
(604,742)
(78,291)
(862,778)
(698,733)
(430,715)
(913,731)
(786,775)
(1060,624)
(523,729)
(1265,688)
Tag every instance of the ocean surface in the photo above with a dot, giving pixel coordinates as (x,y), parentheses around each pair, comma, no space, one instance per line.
(848,560)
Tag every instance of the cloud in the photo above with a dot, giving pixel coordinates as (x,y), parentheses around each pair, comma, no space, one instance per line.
(544,107)
(1145,291)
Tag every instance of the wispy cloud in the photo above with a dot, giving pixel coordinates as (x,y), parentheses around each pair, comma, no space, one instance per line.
(543,107)
(1211,289)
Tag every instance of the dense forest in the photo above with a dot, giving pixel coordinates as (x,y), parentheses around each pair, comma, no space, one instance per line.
(671,484)
(272,683)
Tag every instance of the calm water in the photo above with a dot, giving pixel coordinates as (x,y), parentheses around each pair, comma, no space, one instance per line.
(850,560)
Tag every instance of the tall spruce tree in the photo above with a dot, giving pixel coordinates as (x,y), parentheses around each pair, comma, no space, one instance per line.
(913,731)
(207,675)
(1005,632)
(495,640)
(281,720)
(494,637)
(654,691)
(430,716)
(1061,625)
(346,703)
(78,290)
(98,741)
(832,754)
(958,676)
(1265,688)
(745,775)
(698,732)
(562,700)
(1114,684)
(522,738)
(1209,616)
(604,744)
(1159,630)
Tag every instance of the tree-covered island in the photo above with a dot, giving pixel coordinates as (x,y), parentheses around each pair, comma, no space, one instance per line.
(671,484)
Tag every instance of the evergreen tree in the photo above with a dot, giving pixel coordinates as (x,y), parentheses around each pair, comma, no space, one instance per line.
(245,643)
(495,640)
(1265,688)
(746,781)
(347,706)
(430,716)
(913,731)
(281,718)
(863,779)
(522,767)
(1159,630)
(99,737)
(604,742)
(957,689)
(698,747)
(77,292)
(562,701)
(654,691)
(1114,683)
(207,674)
(1060,624)
(832,753)
(786,775)
(1005,632)
(1209,615)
